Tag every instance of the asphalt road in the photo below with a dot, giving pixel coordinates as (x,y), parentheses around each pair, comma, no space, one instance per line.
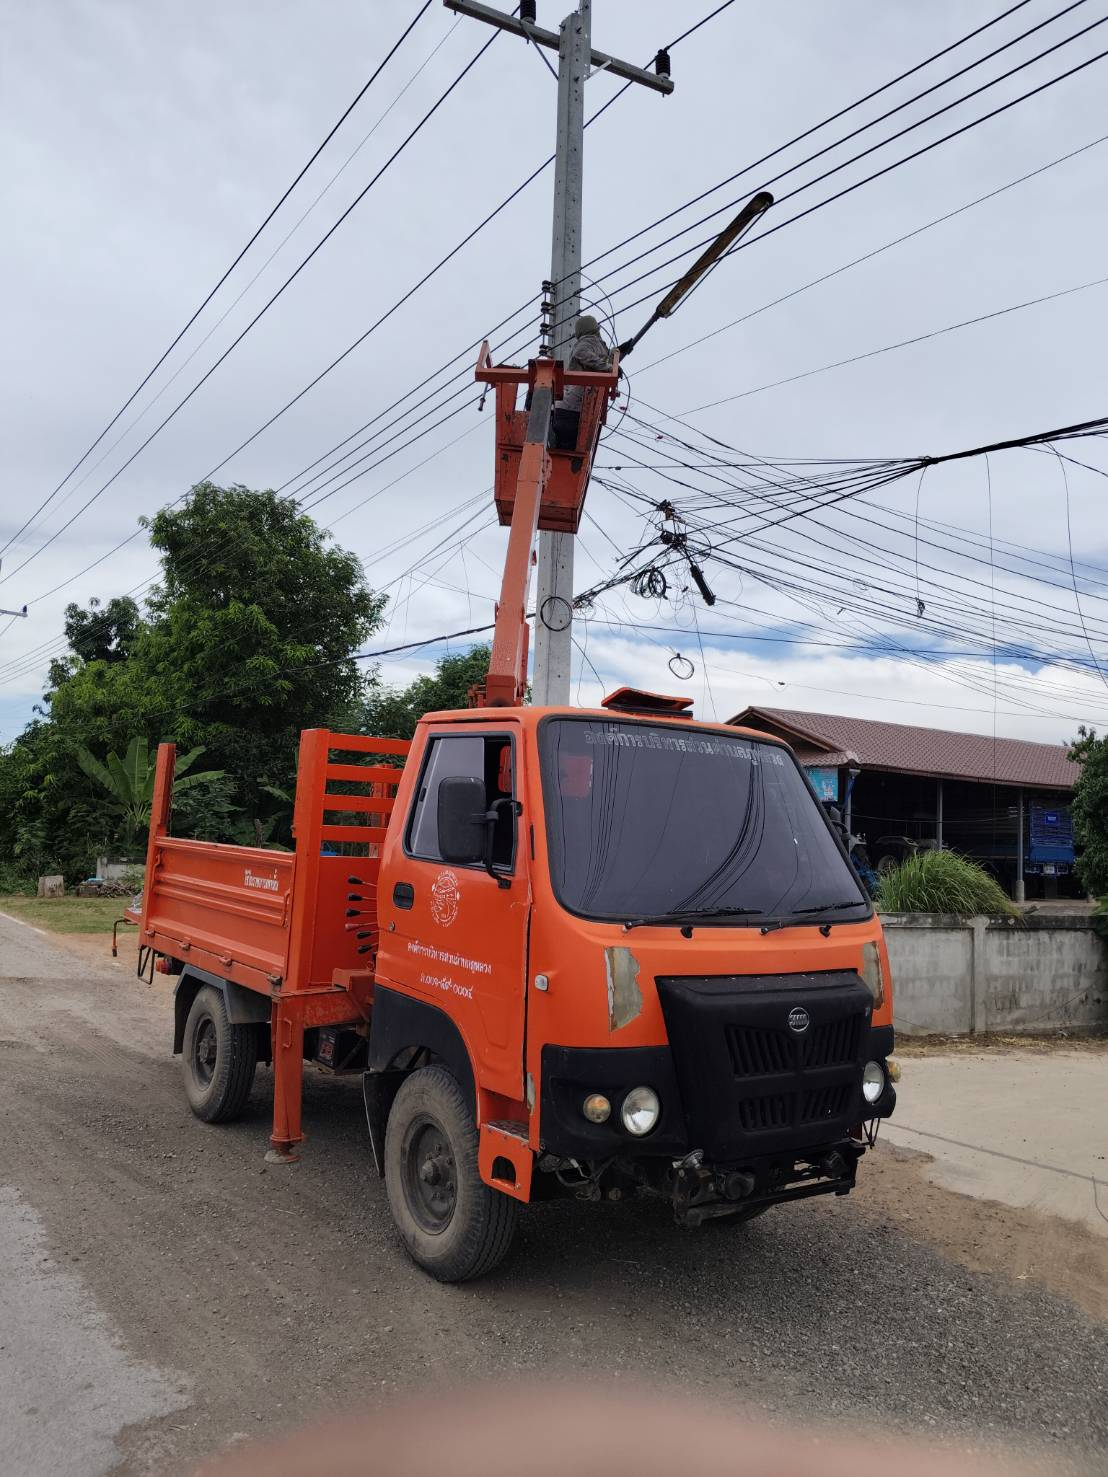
(164,1292)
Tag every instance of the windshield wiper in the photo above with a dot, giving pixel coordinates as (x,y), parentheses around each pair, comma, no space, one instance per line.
(691,916)
(831,907)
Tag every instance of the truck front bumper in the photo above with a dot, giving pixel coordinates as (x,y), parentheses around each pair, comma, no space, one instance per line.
(752,1112)
(739,1182)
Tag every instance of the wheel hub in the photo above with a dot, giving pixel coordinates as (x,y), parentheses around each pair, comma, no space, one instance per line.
(430,1176)
(205,1050)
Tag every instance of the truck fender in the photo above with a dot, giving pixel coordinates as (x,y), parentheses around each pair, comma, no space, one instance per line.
(244,1007)
(399,1024)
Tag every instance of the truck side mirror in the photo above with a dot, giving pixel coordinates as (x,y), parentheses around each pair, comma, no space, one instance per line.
(461,819)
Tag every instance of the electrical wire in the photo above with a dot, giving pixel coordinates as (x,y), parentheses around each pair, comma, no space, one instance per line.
(754,239)
(361,339)
(901,344)
(427,116)
(989,84)
(212,292)
(765,184)
(869,255)
(144,412)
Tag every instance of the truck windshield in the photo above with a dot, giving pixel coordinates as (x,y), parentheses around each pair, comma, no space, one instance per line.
(648,820)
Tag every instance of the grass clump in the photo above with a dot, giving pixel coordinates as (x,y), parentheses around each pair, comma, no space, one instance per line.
(65,914)
(942,882)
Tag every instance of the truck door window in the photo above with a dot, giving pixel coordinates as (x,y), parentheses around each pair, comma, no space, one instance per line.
(487,757)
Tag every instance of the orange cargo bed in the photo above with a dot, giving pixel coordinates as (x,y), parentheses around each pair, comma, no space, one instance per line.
(298,926)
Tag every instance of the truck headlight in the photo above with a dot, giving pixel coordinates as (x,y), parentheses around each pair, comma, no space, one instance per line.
(641,1111)
(596,1108)
(873,1081)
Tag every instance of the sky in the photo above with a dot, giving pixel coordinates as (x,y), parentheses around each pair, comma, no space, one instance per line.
(145,142)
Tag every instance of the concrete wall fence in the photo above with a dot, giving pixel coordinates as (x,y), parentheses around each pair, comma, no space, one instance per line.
(975,976)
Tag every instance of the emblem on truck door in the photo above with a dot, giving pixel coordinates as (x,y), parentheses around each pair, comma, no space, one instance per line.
(445,898)
(798,1019)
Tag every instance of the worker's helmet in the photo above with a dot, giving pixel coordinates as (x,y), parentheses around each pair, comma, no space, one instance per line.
(585,324)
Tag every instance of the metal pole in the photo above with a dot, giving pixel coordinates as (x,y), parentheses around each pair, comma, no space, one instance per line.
(848,819)
(554,633)
(939,814)
(1021,892)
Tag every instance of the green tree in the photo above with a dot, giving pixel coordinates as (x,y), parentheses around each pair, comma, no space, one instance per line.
(251,633)
(50,819)
(130,780)
(247,640)
(1090,810)
(393,712)
(97,634)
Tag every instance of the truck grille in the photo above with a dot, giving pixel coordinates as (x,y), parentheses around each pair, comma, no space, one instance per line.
(817,1105)
(751,1082)
(756,1053)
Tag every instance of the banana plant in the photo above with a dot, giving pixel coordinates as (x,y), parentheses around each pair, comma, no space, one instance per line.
(130,780)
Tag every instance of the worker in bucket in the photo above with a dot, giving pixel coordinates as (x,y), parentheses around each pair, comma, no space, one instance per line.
(591,354)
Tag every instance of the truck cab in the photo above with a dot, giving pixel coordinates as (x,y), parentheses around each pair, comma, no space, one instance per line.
(642,955)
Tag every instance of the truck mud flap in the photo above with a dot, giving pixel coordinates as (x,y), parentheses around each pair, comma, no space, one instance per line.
(378,1091)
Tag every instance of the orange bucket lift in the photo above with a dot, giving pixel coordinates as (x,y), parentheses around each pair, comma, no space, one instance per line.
(563,494)
(537,486)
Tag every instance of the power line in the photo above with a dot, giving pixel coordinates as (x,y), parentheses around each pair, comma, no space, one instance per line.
(261,269)
(835,595)
(1037,439)
(974,123)
(1083,428)
(267,305)
(807,133)
(904,161)
(903,344)
(361,339)
(869,255)
(196,314)
(764,235)
(783,147)
(864,128)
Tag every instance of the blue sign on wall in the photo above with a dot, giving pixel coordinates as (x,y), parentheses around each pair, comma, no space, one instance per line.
(825,782)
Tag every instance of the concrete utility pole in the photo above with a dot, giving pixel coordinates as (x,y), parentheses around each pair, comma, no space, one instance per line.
(573,43)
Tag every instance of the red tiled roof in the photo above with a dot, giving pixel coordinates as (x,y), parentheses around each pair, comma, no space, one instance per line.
(832,739)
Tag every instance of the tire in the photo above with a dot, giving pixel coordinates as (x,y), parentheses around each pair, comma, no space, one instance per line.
(218,1059)
(452,1224)
(740,1218)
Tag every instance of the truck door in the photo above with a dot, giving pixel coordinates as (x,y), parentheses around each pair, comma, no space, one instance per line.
(460,935)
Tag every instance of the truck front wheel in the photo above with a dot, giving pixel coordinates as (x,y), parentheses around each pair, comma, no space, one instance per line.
(218,1059)
(453,1225)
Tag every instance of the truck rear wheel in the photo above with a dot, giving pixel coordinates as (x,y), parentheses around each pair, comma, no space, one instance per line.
(218,1059)
(453,1225)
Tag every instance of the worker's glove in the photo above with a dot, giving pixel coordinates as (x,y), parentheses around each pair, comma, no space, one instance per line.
(625,348)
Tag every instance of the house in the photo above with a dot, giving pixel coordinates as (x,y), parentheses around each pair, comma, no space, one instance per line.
(1002,801)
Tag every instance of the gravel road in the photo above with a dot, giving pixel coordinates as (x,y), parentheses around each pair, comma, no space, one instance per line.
(164,1292)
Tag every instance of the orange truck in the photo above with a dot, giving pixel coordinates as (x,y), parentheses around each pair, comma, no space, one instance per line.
(601,953)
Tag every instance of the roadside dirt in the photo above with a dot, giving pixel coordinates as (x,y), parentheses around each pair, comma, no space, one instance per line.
(908,1046)
(1020,1245)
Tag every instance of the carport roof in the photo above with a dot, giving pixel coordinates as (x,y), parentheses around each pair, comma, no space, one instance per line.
(833,739)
